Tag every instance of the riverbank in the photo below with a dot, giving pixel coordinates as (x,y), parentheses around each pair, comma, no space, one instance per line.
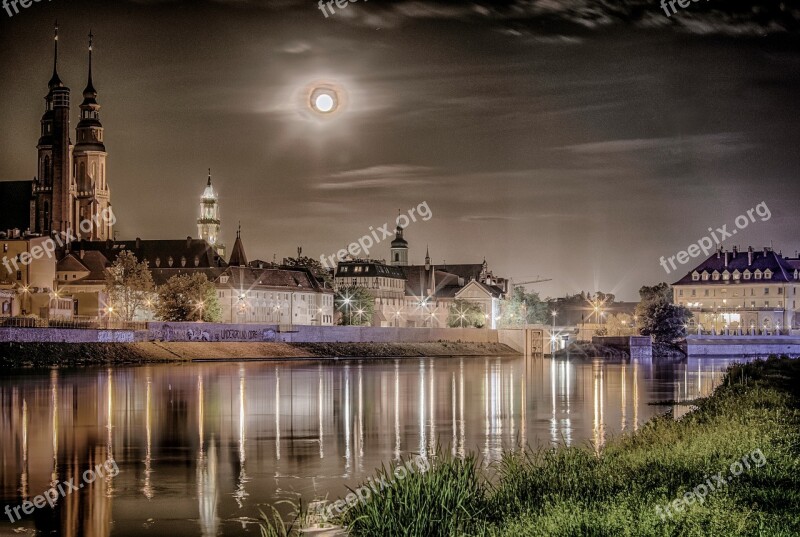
(99,354)
(728,468)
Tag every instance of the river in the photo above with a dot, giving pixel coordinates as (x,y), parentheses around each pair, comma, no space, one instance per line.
(200,448)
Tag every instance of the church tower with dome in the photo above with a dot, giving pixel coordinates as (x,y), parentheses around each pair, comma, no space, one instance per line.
(209,224)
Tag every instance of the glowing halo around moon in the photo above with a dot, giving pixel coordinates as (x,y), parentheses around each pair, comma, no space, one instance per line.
(324,100)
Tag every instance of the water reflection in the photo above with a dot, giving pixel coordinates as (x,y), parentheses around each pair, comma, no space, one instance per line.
(209,445)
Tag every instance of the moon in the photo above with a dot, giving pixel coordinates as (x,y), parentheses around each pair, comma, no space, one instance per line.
(324,103)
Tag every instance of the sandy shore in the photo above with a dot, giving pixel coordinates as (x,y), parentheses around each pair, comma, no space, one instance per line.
(88,354)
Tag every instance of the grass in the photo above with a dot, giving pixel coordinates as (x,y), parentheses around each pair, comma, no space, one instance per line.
(570,491)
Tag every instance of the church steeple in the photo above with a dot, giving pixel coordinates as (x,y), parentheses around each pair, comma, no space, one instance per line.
(238,257)
(209,224)
(90,94)
(55,81)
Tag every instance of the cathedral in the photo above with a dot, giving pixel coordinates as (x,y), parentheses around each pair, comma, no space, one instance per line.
(71,187)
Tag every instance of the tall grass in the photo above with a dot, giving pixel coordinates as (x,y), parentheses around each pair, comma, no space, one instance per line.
(571,491)
(438,503)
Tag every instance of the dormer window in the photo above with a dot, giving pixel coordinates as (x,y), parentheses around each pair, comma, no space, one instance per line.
(158,261)
(737,275)
(705,276)
(767,274)
(758,274)
(183,261)
(796,274)
(196,261)
(726,275)
(223,279)
(715,276)
(170,261)
(747,274)
(695,276)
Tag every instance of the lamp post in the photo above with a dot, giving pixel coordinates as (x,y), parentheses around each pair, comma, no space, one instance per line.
(553,333)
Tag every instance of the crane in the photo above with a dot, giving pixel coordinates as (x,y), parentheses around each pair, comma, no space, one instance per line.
(537,280)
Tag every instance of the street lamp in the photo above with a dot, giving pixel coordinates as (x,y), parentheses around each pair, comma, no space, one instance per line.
(553,333)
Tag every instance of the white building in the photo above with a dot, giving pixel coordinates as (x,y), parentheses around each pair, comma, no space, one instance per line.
(754,292)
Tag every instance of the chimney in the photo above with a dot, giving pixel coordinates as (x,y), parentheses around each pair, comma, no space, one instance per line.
(749,256)
(188,242)
(82,252)
(726,258)
(719,251)
(138,243)
(735,251)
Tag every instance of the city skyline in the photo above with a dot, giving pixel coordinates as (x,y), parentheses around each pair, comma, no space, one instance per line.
(581,152)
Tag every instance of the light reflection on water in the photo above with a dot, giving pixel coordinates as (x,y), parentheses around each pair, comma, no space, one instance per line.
(203,447)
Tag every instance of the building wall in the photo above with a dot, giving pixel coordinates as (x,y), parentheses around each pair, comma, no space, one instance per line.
(276,306)
(752,304)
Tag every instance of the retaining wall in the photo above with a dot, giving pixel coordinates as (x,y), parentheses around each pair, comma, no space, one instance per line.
(63,335)
(742,345)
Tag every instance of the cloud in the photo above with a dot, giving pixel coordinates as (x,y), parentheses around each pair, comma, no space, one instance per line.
(376,177)
(717,142)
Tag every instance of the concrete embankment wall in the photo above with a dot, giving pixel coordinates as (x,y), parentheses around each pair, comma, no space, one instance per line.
(248,333)
(742,345)
(309,334)
(64,335)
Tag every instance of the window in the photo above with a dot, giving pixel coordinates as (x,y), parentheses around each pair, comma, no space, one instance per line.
(705,276)
(695,276)
(706,292)
(680,293)
(780,290)
(747,274)
(715,276)
(694,292)
(766,291)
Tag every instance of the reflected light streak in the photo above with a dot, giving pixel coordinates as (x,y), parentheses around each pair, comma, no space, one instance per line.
(24,477)
(432,406)
(396,410)
(54,425)
(360,418)
(347,421)
(277,414)
(422,439)
(320,411)
(240,494)
(148,489)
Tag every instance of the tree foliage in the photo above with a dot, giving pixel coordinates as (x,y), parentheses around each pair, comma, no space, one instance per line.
(321,273)
(129,285)
(658,317)
(188,297)
(465,314)
(522,308)
(356,305)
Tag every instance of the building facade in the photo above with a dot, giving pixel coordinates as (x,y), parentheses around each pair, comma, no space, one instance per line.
(421,295)
(748,292)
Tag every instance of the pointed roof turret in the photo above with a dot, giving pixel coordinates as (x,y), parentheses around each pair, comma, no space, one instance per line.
(238,257)
(55,81)
(90,94)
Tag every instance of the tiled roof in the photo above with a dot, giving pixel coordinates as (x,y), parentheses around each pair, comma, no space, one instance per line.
(158,253)
(347,269)
(782,268)
(293,279)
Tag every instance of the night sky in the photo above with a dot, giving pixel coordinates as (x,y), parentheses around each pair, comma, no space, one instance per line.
(577,140)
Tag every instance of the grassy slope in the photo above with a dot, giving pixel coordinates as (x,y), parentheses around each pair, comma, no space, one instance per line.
(570,491)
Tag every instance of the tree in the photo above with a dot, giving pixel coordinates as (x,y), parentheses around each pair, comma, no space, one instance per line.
(620,324)
(129,285)
(356,305)
(523,308)
(321,273)
(464,314)
(658,317)
(188,297)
